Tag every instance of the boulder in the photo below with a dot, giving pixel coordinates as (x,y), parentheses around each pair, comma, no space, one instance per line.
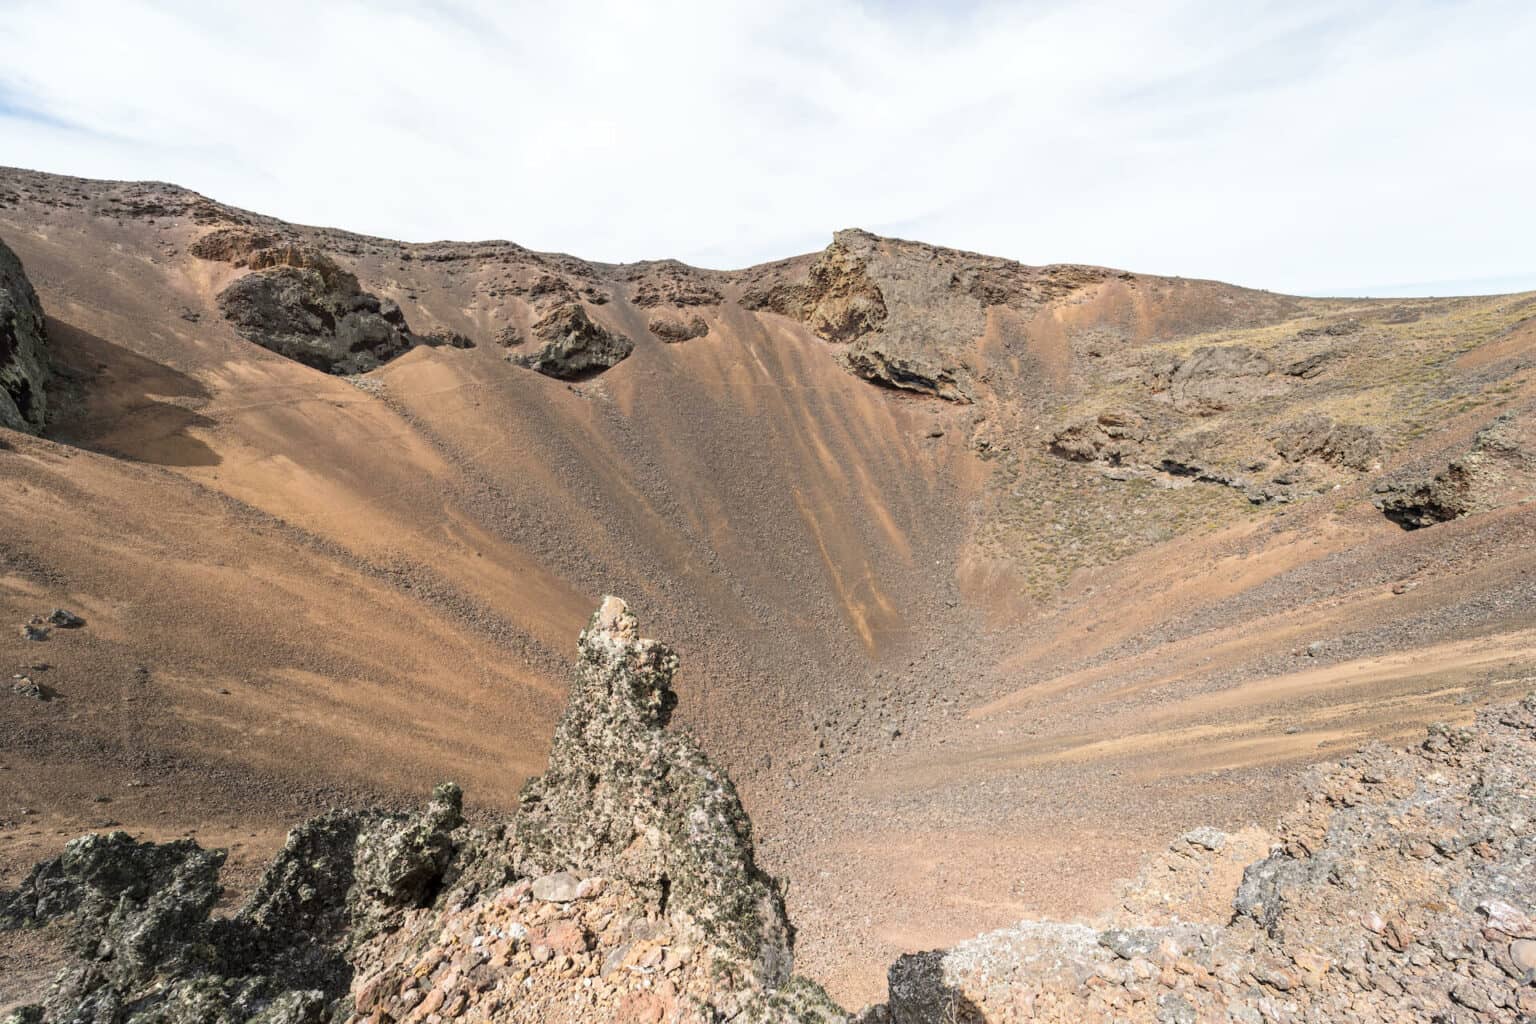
(673,329)
(23,349)
(573,346)
(303,306)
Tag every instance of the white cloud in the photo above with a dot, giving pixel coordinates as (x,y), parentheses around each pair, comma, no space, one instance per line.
(1304,146)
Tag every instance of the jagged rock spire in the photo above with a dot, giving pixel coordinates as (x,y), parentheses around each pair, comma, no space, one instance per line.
(627,799)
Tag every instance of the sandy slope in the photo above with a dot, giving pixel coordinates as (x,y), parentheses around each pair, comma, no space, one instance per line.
(300,589)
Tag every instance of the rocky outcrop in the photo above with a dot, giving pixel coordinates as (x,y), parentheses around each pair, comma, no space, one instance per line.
(1112,436)
(1215,378)
(1498,470)
(23,349)
(300,304)
(626,799)
(233,245)
(911,315)
(573,345)
(674,329)
(676,286)
(625,889)
(838,300)
(148,949)
(1400,889)
(1347,445)
(637,896)
(905,373)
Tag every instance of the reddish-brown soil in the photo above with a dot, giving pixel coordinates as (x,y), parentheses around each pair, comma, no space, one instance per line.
(303,590)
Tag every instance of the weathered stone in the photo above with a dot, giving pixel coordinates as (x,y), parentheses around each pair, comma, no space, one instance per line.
(65,619)
(574,346)
(24,372)
(303,306)
(624,798)
(1498,470)
(673,330)
(560,887)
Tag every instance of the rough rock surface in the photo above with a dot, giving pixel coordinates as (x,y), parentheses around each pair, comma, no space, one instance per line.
(1349,445)
(911,315)
(573,345)
(675,285)
(626,799)
(625,890)
(838,300)
(674,329)
(234,245)
(1401,889)
(23,349)
(1498,470)
(300,304)
(139,917)
(1215,378)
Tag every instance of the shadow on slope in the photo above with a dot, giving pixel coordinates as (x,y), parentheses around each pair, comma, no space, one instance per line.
(119,403)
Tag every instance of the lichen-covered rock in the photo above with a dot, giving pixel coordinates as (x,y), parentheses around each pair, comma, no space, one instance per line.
(130,901)
(624,798)
(301,305)
(23,349)
(573,346)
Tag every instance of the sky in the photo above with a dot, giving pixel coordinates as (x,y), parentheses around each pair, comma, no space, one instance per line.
(1379,147)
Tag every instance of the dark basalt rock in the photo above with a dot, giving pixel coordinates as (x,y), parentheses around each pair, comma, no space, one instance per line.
(139,917)
(303,306)
(573,345)
(23,349)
